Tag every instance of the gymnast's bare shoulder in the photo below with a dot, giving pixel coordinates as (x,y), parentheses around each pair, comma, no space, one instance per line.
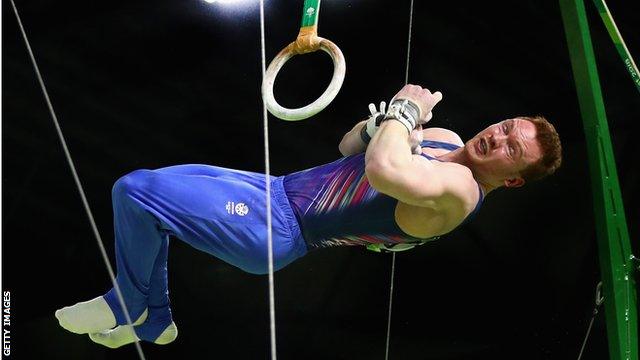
(442,134)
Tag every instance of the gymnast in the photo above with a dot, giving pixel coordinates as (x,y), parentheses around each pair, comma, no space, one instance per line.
(396,187)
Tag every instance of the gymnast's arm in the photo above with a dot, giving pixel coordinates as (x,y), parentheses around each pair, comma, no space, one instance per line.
(352,142)
(392,169)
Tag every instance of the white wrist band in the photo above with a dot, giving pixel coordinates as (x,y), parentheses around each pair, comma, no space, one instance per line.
(405,112)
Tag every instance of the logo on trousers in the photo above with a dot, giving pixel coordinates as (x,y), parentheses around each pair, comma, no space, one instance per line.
(240,209)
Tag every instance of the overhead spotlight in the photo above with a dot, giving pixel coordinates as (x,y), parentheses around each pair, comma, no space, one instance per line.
(223,1)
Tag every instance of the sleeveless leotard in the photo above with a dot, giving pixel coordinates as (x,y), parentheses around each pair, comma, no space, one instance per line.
(335,205)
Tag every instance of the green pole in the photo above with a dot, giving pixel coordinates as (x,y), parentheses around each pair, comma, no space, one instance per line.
(614,247)
(614,33)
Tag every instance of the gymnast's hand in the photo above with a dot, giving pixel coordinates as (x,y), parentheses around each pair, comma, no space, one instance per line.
(424,99)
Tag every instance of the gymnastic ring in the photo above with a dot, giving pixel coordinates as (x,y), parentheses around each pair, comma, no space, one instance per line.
(315,107)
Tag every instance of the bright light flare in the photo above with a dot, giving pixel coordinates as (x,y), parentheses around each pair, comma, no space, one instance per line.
(224,1)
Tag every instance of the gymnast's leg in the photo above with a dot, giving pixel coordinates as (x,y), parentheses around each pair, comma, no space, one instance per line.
(139,237)
(155,327)
(194,207)
(158,327)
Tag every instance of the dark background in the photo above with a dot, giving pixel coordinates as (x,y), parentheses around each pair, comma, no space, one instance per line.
(146,84)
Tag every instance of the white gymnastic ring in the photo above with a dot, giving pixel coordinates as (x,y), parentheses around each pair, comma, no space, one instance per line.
(315,107)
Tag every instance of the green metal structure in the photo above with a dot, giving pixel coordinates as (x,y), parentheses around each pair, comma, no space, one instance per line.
(617,266)
(310,13)
(612,29)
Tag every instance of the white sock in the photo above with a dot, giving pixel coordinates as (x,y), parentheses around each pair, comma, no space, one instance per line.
(124,334)
(89,316)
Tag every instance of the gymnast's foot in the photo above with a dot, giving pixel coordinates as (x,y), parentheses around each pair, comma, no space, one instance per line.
(90,317)
(124,334)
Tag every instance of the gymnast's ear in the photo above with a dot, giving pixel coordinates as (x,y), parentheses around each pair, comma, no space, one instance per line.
(514,182)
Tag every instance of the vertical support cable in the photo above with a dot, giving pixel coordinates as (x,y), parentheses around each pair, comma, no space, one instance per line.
(393,257)
(406,74)
(267,170)
(599,301)
(76,178)
(393,271)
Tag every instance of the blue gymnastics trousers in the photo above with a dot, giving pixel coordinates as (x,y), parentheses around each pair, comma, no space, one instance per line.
(216,210)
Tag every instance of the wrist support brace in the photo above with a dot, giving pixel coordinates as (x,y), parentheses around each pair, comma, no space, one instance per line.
(373,122)
(404,111)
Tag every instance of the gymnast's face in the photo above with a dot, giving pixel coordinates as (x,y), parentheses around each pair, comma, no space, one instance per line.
(500,152)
